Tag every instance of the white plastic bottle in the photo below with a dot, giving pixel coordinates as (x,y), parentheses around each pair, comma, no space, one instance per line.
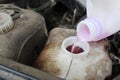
(103,20)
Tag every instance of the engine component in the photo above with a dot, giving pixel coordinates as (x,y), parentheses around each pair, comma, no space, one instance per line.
(74,4)
(16,69)
(40,5)
(10,74)
(5,1)
(114,42)
(6,22)
(83,62)
(27,37)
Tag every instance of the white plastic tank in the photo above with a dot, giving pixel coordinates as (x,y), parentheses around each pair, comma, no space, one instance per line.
(87,61)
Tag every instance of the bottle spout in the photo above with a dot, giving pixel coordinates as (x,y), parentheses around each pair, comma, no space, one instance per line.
(89,29)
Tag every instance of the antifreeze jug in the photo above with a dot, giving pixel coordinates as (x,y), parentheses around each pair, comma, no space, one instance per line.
(103,20)
(22,33)
(89,61)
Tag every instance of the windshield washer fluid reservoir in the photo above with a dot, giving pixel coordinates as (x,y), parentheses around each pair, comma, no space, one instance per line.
(88,61)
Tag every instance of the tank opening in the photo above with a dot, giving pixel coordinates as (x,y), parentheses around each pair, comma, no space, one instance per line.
(74,49)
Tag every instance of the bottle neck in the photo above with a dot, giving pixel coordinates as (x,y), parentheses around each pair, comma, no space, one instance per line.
(89,29)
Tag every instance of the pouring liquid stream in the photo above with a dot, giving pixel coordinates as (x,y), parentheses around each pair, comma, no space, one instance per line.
(74,48)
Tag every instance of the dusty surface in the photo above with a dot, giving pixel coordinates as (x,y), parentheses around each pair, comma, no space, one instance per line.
(40,75)
(96,66)
(28,33)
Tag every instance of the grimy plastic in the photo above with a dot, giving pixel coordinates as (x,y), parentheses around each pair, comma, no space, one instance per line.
(102,20)
(92,64)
